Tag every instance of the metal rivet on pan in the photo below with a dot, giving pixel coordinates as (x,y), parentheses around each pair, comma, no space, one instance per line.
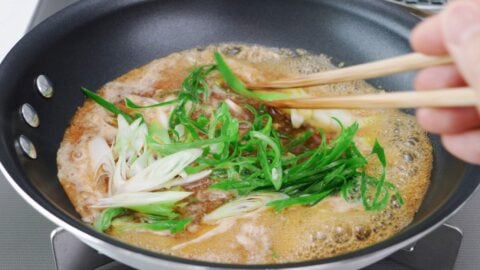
(44,86)
(27,147)
(410,248)
(30,115)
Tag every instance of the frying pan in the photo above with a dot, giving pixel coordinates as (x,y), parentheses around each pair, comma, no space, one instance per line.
(93,42)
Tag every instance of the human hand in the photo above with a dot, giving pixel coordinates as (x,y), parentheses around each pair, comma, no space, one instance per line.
(455,31)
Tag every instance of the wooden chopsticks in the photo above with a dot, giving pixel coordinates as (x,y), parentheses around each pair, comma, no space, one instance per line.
(410,99)
(455,97)
(412,61)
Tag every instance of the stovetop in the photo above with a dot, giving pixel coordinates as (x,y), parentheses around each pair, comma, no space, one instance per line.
(25,234)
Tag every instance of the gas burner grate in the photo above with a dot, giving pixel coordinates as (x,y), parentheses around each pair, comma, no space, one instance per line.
(438,250)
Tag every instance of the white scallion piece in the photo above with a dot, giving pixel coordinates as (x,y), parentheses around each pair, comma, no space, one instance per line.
(296,118)
(234,106)
(160,172)
(101,159)
(188,179)
(129,144)
(243,205)
(141,198)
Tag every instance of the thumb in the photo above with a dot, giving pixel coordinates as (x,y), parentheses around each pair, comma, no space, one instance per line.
(461,32)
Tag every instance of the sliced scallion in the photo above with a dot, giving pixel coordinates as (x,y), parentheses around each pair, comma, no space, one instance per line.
(130,104)
(104,220)
(106,104)
(243,205)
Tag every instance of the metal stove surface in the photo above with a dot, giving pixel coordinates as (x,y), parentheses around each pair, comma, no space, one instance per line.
(25,234)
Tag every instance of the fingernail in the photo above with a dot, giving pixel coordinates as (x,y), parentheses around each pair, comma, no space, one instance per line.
(460,21)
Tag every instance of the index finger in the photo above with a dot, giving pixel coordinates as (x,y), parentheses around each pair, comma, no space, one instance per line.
(427,37)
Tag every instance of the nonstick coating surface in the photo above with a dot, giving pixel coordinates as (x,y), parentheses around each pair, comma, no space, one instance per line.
(93,42)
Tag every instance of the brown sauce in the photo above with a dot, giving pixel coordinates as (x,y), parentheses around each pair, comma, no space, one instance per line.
(298,233)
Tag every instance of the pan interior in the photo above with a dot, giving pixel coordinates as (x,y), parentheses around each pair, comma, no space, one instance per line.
(93,42)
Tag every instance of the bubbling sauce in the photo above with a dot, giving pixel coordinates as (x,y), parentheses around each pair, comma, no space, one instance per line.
(331,227)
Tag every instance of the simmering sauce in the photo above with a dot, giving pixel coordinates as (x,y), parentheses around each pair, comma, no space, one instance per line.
(331,227)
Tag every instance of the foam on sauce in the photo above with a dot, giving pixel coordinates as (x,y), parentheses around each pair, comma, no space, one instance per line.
(298,233)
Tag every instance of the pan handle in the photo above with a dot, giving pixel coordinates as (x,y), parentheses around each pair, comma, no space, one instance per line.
(421,8)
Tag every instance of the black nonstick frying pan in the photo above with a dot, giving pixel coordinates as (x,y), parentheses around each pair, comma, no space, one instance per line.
(93,42)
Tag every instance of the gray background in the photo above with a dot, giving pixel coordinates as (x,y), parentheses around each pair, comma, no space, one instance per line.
(25,234)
